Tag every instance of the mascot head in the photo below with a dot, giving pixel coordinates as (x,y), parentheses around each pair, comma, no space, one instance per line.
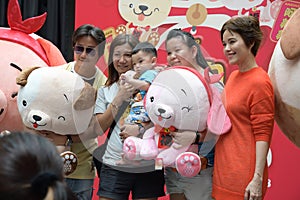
(20,47)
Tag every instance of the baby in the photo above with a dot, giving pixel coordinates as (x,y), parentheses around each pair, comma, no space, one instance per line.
(144,58)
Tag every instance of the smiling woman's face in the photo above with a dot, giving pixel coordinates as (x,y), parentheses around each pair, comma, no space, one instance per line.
(235,48)
(122,58)
(179,54)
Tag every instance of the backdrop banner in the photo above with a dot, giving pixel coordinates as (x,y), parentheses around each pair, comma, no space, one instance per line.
(204,19)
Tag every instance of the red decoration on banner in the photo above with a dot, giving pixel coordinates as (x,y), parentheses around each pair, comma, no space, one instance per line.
(285,13)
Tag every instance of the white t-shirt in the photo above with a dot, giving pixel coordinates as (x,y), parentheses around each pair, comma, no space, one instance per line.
(114,147)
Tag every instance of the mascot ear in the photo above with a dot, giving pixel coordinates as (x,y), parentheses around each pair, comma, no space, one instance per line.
(54,55)
(22,78)
(86,99)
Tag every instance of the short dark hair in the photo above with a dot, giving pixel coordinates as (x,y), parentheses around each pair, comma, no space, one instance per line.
(145,47)
(94,32)
(30,164)
(248,28)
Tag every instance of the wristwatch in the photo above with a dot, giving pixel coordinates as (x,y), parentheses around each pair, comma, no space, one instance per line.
(198,135)
(69,141)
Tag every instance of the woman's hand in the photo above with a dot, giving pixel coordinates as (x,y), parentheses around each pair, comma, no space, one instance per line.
(254,189)
(125,92)
(182,139)
(58,140)
(129,130)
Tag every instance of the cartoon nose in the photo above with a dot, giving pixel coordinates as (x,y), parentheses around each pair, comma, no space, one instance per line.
(160,110)
(143,8)
(36,118)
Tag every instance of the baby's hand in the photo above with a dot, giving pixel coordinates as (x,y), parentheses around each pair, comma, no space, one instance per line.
(122,79)
(160,67)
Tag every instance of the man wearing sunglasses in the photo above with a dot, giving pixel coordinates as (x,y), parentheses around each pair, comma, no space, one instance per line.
(88,45)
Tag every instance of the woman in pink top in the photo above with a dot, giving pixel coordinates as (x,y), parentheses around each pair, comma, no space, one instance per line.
(240,169)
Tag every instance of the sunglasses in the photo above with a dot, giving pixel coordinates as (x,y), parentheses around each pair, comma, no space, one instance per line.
(88,50)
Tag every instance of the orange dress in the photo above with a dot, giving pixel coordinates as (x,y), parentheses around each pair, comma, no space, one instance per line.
(249,101)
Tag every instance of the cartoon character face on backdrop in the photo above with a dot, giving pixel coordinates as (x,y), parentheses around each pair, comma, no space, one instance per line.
(20,48)
(145,12)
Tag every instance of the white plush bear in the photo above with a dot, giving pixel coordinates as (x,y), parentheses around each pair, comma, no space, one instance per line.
(284,70)
(56,100)
(179,98)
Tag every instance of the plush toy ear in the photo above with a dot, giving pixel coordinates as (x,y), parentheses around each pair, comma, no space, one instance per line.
(22,78)
(218,121)
(86,99)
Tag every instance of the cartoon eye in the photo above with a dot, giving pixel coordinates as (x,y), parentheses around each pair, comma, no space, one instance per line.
(62,117)
(131,5)
(14,94)
(156,9)
(151,99)
(24,102)
(187,108)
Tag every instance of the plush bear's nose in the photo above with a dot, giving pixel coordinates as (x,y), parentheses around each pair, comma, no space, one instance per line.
(160,110)
(36,118)
(143,7)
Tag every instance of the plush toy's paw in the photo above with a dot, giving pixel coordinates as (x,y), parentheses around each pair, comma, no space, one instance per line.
(129,149)
(70,161)
(188,164)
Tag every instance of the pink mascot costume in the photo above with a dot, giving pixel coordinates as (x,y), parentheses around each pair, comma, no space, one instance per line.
(179,99)
(21,48)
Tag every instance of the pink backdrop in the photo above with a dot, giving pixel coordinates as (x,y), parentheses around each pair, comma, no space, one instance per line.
(284,159)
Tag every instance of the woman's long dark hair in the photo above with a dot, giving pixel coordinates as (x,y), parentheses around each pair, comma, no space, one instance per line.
(113,75)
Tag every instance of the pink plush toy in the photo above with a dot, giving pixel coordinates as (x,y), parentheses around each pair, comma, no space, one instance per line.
(179,98)
(284,70)
(20,48)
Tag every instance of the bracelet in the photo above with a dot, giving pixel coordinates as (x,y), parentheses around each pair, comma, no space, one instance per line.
(258,174)
(198,135)
(114,105)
